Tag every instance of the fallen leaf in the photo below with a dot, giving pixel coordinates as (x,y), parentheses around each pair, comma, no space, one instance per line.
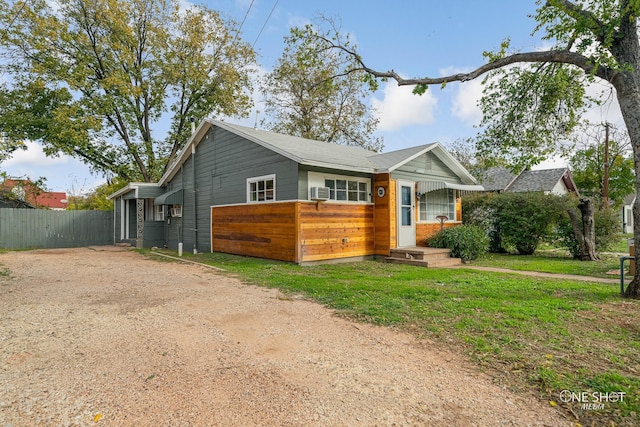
(97,417)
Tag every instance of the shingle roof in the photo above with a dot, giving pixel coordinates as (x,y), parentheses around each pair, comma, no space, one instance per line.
(307,151)
(537,180)
(321,154)
(496,179)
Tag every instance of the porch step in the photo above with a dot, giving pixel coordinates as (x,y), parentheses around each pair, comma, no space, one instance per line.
(423,257)
(420,253)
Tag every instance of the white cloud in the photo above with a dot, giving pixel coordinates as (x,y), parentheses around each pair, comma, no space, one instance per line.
(33,156)
(399,107)
(464,104)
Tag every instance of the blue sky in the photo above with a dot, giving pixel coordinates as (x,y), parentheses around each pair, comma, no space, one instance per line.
(415,38)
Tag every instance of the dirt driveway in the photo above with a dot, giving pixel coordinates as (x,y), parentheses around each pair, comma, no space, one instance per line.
(104,336)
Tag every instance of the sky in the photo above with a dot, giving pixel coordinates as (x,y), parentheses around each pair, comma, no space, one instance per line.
(416,38)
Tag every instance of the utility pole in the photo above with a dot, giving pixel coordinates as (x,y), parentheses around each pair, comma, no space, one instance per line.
(605,184)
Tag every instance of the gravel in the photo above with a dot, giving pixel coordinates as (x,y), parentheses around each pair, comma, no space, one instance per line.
(105,336)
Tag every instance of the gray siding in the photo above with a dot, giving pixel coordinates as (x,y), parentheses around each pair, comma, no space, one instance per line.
(37,228)
(425,167)
(223,162)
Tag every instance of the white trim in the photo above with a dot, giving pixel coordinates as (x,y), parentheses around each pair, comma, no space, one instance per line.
(257,179)
(406,233)
(135,186)
(317,179)
(122,218)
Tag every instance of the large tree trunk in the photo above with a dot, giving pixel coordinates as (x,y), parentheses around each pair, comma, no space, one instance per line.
(584,230)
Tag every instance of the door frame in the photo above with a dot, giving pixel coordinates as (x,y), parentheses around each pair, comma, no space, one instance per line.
(406,233)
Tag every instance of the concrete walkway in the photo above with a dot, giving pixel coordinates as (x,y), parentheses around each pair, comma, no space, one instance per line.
(546,275)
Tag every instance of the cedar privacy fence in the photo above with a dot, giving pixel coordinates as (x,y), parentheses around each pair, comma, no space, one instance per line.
(37,228)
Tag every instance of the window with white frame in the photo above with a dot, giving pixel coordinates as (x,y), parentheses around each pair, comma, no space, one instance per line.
(159,213)
(435,203)
(261,189)
(351,190)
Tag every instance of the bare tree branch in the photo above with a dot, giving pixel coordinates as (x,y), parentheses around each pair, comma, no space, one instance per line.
(552,56)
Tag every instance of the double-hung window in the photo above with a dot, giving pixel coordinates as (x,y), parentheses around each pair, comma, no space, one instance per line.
(261,189)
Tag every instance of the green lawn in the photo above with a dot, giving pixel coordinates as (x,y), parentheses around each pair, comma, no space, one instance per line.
(553,262)
(542,334)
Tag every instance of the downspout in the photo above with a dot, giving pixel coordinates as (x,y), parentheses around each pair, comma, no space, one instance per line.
(195,201)
(195,194)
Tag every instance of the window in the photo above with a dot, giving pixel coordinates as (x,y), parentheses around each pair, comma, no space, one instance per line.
(261,189)
(439,202)
(347,190)
(159,213)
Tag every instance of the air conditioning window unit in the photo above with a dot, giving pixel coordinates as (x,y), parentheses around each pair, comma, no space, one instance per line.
(176,211)
(320,193)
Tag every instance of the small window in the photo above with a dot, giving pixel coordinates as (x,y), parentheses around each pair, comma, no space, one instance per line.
(261,189)
(159,213)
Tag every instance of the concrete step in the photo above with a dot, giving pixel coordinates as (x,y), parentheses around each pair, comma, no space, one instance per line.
(426,253)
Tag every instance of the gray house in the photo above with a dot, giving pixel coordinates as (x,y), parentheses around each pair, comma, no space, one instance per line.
(245,191)
(550,181)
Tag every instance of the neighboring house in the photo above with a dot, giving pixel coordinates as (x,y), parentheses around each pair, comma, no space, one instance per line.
(550,181)
(627,213)
(244,191)
(8,200)
(27,192)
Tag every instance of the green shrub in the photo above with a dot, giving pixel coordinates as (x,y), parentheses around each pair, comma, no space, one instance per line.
(607,225)
(514,221)
(467,242)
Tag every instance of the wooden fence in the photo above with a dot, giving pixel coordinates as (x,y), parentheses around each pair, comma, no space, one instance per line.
(37,228)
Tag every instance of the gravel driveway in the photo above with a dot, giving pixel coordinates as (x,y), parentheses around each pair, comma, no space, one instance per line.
(104,336)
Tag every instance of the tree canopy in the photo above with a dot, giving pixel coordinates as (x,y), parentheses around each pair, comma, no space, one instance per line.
(115,82)
(588,168)
(312,94)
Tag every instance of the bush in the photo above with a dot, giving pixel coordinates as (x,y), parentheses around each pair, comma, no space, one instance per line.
(514,221)
(467,242)
(607,225)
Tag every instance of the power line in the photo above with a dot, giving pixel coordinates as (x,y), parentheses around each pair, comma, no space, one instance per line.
(265,23)
(245,16)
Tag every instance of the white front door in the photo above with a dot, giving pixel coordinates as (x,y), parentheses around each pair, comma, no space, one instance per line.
(406,214)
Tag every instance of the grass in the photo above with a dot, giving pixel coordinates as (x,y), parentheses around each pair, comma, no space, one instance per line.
(553,262)
(546,334)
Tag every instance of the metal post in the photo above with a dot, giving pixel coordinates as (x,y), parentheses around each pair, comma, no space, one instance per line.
(622,260)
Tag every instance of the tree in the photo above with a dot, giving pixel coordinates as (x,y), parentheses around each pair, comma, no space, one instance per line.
(309,94)
(465,151)
(115,82)
(587,167)
(536,104)
(97,199)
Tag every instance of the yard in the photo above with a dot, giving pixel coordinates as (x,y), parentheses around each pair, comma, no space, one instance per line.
(106,336)
(127,339)
(544,335)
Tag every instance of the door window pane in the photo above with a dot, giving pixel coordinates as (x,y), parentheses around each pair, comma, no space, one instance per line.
(406,195)
(406,215)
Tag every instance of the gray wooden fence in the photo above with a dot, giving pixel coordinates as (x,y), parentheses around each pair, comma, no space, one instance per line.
(37,228)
